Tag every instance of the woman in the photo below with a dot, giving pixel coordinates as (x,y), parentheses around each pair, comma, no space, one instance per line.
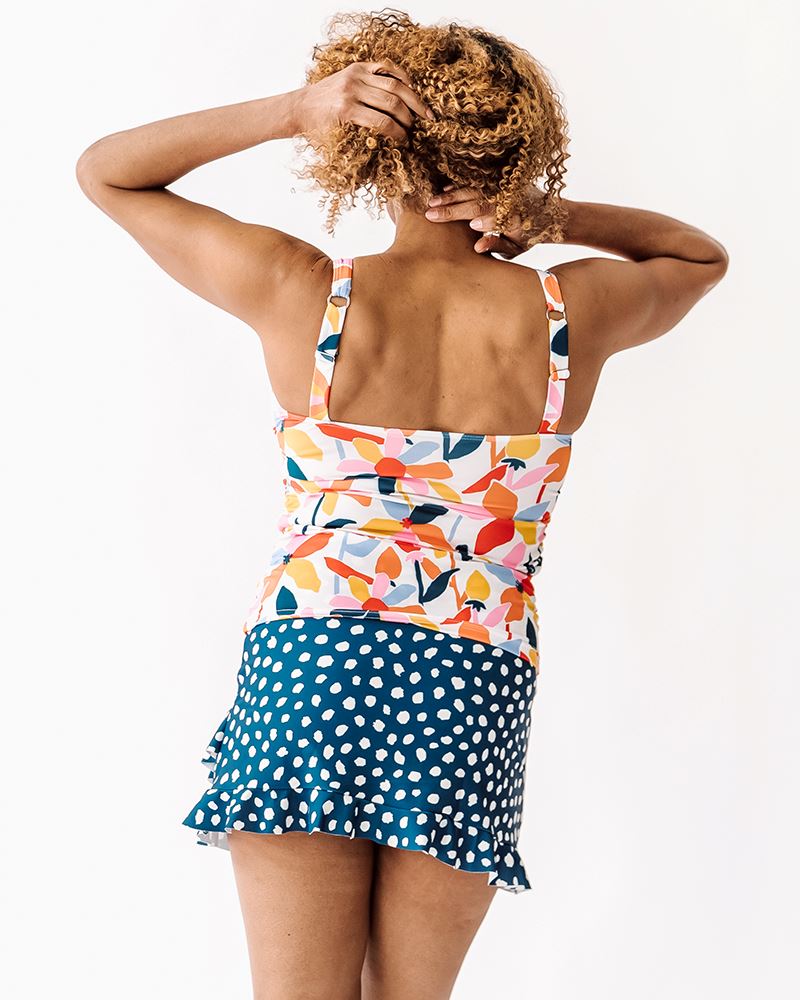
(390,658)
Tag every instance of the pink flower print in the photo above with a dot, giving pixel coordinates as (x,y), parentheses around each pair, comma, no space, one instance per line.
(393,462)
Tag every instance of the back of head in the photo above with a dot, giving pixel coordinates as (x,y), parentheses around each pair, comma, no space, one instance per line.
(498,123)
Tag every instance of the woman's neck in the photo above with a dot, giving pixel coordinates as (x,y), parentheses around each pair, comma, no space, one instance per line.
(416,235)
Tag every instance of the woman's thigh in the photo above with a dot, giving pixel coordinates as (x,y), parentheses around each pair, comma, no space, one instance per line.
(424,916)
(305,901)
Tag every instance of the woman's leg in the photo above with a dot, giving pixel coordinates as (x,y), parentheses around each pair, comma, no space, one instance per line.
(424,917)
(305,902)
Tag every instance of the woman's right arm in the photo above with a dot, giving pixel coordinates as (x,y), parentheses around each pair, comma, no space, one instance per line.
(669,266)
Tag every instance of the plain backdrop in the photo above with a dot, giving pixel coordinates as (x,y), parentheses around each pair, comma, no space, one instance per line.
(139,489)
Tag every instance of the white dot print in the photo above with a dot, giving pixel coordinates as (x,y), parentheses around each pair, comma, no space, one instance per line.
(429,759)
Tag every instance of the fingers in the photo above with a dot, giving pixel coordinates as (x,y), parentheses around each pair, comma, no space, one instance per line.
(468,204)
(386,98)
(454,196)
(452,213)
(399,90)
(387,66)
(483,223)
(461,210)
(387,102)
(497,244)
(456,204)
(378,120)
(505,245)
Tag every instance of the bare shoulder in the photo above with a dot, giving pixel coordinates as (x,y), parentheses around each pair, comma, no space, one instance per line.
(615,304)
(300,280)
(577,281)
(241,267)
(288,326)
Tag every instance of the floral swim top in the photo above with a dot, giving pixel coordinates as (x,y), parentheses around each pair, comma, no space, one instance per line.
(437,528)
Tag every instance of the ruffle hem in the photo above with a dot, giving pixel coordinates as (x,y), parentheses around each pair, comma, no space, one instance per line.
(262,808)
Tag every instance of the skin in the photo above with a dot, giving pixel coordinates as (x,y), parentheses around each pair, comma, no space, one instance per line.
(438,336)
(326,916)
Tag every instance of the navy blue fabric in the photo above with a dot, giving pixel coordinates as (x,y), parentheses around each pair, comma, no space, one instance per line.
(410,737)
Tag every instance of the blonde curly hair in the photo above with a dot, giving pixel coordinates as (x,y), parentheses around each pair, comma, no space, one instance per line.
(498,123)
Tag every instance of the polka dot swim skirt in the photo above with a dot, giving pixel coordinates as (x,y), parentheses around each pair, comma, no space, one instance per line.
(408,737)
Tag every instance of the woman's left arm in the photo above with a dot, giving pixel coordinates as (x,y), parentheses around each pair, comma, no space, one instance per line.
(235,265)
(251,271)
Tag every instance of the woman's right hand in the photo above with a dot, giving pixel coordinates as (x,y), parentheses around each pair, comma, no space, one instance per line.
(377,95)
(466,204)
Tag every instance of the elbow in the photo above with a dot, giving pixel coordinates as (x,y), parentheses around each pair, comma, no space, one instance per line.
(89,175)
(711,271)
(84,172)
(718,266)
(722,263)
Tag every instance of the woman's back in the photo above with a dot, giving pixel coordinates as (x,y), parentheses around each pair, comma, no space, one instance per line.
(430,343)
(410,522)
(425,404)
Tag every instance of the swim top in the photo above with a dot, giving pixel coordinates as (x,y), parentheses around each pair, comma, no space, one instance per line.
(437,528)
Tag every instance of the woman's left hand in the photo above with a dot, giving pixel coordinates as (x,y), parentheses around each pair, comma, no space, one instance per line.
(376,95)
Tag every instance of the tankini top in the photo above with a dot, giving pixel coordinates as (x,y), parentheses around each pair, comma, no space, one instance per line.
(436,528)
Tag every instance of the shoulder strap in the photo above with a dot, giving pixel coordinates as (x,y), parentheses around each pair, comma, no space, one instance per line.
(329,335)
(559,351)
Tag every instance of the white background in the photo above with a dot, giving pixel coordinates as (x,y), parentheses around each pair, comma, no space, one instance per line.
(660,831)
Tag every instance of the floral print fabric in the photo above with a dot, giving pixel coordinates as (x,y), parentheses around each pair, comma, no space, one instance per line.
(440,529)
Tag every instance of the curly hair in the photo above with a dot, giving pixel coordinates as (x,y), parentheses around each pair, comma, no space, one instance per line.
(498,123)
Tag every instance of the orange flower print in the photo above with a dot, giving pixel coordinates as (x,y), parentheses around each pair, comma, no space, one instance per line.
(440,528)
(395,463)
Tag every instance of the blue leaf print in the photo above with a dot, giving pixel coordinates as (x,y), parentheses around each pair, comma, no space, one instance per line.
(396,509)
(294,469)
(534,513)
(426,503)
(417,452)
(285,603)
(424,513)
(559,341)
(504,573)
(438,585)
(352,545)
(467,444)
(329,346)
(399,595)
